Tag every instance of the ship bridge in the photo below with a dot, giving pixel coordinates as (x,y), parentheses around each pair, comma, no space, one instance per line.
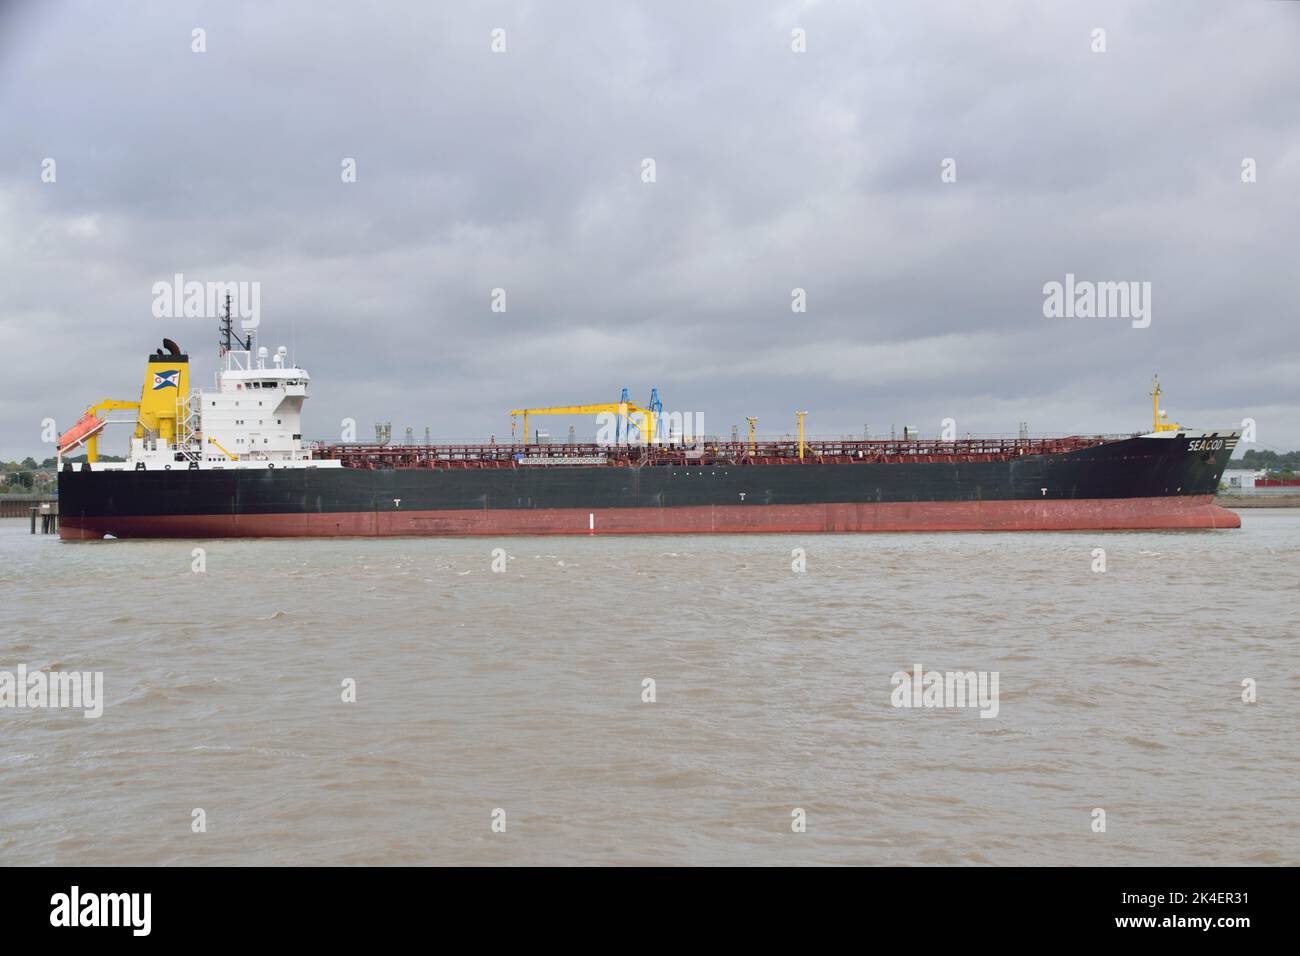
(256,411)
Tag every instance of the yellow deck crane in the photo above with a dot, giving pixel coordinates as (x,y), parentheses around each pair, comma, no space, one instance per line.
(87,428)
(626,410)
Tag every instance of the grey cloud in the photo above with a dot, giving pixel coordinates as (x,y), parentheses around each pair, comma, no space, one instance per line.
(775,170)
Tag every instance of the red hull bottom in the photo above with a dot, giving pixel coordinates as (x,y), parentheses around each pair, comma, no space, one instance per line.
(1098,514)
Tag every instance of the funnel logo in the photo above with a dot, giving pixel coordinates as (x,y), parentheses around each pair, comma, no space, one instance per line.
(165,379)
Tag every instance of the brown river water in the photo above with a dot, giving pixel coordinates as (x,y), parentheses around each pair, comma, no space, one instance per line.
(521,691)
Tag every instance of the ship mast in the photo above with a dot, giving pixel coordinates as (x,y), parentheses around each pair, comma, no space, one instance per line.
(1156,414)
(228,334)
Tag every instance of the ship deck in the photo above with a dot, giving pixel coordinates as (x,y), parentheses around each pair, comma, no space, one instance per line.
(703,453)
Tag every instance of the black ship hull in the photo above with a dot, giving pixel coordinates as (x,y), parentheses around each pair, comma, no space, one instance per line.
(1141,482)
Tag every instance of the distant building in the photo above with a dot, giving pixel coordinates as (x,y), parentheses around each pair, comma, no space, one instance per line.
(1238,479)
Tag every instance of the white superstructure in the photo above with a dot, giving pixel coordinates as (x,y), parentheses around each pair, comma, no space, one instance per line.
(255,414)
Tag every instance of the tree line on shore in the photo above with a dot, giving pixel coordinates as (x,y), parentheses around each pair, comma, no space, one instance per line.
(30,477)
(1285,463)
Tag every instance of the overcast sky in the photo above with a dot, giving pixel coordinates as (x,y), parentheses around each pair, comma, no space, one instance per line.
(774,170)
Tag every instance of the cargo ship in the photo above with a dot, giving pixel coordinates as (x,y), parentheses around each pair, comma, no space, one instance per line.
(231,462)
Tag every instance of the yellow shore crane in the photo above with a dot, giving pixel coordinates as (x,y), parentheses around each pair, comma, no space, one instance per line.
(626,410)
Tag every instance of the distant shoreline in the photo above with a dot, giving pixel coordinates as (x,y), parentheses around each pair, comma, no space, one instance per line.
(1259,501)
